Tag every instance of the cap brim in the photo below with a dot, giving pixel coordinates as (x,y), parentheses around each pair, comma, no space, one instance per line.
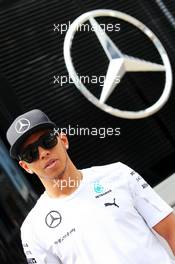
(15,148)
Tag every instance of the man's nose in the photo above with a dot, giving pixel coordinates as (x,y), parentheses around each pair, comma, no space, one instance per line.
(43,152)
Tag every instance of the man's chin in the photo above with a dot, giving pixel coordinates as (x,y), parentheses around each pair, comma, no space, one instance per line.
(55,172)
(54,175)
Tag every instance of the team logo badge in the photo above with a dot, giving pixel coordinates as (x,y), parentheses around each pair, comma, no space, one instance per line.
(98,188)
(53,219)
(22,125)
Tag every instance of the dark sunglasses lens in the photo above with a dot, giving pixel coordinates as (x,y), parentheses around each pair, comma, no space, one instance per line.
(49,141)
(30,154)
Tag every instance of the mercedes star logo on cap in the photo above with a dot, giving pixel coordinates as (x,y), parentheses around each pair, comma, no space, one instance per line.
(22,125)
(53,219)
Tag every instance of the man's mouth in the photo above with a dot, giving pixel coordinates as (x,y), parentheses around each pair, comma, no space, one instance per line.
(50,164)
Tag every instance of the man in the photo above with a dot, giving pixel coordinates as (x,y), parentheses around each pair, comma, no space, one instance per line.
(104,214)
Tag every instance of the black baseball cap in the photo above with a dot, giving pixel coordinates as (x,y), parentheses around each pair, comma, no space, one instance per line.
(23,126)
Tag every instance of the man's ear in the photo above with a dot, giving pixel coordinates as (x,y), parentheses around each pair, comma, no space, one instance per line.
(25,167)
(64,140)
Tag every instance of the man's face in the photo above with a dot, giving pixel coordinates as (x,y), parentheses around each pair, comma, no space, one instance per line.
(51,162)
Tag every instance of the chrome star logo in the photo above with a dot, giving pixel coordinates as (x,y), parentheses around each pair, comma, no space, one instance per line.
(53,219)
(119,63)
(22,125)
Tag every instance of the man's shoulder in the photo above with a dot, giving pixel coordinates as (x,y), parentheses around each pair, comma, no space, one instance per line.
(110,166)
(113,169)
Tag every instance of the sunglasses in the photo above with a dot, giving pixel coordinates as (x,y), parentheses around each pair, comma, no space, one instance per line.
(31,152)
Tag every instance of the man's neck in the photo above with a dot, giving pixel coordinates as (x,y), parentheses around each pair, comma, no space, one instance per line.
(66,184)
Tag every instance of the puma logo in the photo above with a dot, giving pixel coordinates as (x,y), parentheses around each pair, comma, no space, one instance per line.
(114,203)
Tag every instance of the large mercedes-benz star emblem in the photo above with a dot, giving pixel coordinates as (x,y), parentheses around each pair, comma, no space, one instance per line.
(53,219)
(22,125)
(119,63)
